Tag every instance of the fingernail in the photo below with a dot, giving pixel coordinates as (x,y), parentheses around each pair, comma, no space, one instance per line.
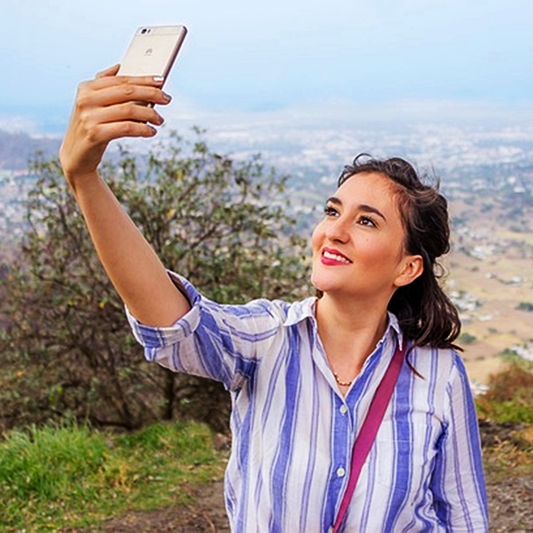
(167,97)
(158,79)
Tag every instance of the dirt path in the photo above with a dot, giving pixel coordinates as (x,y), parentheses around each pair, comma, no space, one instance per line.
(206,514)
(510,506)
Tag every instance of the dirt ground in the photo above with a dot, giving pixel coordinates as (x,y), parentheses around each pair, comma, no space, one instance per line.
(510,496)
(510,504)
(206,514)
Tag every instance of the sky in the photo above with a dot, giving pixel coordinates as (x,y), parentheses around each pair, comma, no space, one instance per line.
(434,57)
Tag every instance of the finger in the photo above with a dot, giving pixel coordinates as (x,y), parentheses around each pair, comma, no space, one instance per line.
(110,71)
(105,133)
(129,111)
(126,92)
(123,89)
(110,80)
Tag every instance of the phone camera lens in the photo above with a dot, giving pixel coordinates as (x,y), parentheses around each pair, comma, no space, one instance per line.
(144,30)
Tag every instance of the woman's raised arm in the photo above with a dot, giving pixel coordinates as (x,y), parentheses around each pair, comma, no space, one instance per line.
(106,109)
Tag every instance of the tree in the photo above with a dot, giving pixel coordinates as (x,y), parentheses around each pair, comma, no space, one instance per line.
(67,349)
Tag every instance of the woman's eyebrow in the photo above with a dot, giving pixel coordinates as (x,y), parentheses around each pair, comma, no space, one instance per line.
(369,209)
(334,200)
(361,207)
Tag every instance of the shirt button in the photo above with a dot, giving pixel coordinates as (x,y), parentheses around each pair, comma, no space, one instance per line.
(343,409)
(340,472)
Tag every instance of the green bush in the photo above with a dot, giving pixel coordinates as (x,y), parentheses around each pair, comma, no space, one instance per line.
(510,394)
(466,338)
(67,349)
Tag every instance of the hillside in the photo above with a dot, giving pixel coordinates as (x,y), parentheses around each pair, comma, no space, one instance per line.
(490,277)
(16,149)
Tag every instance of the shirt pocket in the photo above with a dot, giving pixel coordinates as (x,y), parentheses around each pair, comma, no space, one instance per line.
(407,459)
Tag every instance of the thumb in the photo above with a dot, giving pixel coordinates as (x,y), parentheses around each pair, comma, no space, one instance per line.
(111,71)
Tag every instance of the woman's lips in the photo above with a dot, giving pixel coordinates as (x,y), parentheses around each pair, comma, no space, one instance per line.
(333,257)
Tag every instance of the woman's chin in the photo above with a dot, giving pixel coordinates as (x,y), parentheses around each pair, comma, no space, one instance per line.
(316,282)
(320,284)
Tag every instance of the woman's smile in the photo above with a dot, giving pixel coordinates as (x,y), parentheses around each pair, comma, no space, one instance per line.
(332,257)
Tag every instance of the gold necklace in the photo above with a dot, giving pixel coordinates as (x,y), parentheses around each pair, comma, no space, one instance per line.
(342,383)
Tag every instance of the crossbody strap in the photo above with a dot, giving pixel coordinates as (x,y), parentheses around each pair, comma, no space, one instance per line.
(369,429)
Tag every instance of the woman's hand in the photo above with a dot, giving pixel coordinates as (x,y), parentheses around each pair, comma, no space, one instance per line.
(106,108)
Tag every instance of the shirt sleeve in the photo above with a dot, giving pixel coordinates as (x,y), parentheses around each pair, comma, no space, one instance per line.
(221,342)
(458,483)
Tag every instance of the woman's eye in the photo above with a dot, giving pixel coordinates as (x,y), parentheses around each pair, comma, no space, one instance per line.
(330,211)
(367,221)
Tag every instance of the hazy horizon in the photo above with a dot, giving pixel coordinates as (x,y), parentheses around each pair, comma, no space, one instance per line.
(381,60)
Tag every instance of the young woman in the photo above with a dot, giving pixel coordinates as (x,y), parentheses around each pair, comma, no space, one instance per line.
(302,375)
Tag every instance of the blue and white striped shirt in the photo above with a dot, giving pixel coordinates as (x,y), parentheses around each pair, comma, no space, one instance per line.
(293,430)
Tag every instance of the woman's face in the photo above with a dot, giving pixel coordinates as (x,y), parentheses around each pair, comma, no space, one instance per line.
(358,247)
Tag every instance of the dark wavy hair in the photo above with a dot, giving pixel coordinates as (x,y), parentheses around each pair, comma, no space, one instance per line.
(425,313)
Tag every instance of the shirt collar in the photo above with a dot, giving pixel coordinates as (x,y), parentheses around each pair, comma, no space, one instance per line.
(395,326)
(299,311)
(303,309)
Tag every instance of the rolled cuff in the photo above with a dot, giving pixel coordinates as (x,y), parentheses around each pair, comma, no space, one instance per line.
(153,337)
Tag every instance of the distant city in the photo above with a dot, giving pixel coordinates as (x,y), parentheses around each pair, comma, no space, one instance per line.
(475,160)
(472,161)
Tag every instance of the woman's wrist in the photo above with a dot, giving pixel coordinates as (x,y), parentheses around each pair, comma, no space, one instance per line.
(79,181)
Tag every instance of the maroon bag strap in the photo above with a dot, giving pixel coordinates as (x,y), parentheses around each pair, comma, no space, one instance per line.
(369,429)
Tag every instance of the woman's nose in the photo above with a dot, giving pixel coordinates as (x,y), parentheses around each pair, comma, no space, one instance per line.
(338,230)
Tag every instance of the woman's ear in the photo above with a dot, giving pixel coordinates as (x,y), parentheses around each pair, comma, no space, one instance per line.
(413,266)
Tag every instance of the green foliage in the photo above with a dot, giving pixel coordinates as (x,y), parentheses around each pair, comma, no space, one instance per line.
(69,475)
(218,222)
(191,440)
(466,338)
(510,394)
(508,411)
(67,350)
(44,463)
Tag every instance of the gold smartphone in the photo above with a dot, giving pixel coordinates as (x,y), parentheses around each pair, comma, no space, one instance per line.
(152,51)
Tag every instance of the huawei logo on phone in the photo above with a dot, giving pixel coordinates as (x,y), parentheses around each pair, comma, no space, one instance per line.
(148,52)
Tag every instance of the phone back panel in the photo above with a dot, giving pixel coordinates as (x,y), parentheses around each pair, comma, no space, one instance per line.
(152,51)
